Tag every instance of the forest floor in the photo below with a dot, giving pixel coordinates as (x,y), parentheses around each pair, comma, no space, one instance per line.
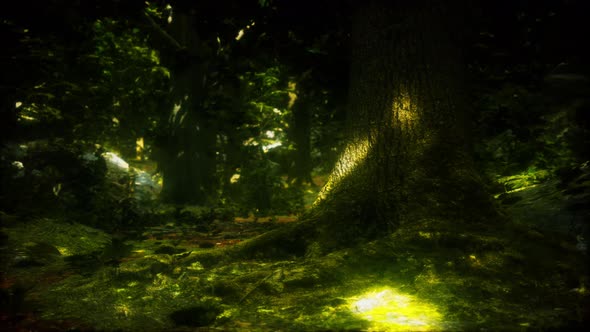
(432,276)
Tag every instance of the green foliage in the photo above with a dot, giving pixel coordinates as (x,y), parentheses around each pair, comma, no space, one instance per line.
(263,190)
(255,148)
(264,3)
(529,111)
(522,133)
(528,178)
(131,74)
(56,176)
(266,99)
(555,142)
(156,11)
(110,92)
(111,88)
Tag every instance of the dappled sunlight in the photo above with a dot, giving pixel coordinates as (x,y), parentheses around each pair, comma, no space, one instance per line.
(139,148)
(271,146)
(33,112)
(403,112)
(404,108)
(64,251)
(123,309)
(243,31)
(26,113)
(387,309)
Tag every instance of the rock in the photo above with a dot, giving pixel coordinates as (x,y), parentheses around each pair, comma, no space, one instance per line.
(145,188)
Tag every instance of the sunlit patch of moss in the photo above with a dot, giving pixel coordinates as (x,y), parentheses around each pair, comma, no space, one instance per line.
(428,277)
(123,309)
(64,251)
(390,310)
(162,282)
(195,266)
(68,238)
(426,235)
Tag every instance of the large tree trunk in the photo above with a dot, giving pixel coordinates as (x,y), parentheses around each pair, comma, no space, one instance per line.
(406,159)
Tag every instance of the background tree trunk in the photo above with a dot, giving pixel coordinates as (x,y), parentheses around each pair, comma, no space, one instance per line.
(188,155)
(405,159)
(301,136)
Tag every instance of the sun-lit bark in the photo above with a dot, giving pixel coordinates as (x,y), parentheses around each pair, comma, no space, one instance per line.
(405,159)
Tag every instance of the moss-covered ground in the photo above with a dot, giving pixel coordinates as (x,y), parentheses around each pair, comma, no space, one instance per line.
(431,276)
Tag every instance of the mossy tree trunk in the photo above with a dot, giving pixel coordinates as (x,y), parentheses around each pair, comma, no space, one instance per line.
(406,157)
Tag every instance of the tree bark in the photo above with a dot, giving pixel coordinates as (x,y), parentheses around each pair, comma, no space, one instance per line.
(187,157)
(301,136)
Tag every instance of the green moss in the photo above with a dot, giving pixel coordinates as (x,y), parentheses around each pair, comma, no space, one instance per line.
(431,275)
(68,238)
